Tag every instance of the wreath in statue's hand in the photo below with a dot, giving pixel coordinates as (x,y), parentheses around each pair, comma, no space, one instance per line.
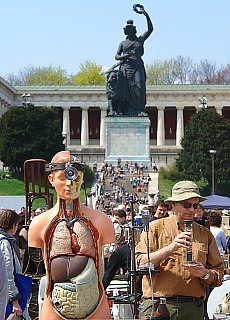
(136,6)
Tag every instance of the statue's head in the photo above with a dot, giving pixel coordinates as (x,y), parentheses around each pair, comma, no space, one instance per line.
(130,28)
(66,174)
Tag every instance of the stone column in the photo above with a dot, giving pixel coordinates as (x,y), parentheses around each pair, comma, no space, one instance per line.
(4,107)
(179,125)
(160,126)
(102,125)
(84,126)
(219,108)
(66,126)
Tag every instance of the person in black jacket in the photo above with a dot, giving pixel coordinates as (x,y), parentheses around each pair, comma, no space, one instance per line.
(121,256)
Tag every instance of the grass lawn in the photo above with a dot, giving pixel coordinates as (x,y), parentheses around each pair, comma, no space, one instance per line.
(15,187)
(11,187)
(165,187)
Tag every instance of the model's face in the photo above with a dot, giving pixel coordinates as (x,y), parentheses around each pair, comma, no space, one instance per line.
(181,213)
(66,189)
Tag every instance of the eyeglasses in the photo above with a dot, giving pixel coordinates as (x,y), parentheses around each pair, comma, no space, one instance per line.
(188,205)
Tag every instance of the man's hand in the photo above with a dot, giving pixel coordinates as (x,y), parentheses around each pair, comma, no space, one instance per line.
(198,270)
(181,240)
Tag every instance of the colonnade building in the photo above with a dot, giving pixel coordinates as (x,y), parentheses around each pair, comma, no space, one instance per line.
(169,107)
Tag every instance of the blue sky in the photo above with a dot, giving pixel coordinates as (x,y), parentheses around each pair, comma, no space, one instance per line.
(66,33)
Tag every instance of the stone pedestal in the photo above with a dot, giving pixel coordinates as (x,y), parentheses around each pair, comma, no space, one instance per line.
(127,138)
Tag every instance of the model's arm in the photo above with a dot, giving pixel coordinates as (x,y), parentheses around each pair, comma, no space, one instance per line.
(107,230)
(35,232)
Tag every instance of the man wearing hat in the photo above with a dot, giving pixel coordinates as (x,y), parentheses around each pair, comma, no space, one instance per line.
(181,283)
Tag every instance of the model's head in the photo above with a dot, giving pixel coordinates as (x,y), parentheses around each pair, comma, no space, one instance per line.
(66,175)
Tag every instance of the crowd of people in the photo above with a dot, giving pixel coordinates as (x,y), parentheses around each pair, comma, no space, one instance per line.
(128,182)
(80,233)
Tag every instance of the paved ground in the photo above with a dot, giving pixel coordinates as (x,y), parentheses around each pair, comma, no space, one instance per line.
(153,183)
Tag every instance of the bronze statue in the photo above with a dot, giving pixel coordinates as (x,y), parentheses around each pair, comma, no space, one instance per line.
(126,87)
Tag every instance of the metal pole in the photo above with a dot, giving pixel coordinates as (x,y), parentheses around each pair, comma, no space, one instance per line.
(133,265)
(213,174)
(213,152)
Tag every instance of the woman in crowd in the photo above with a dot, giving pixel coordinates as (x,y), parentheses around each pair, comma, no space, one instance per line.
(9,221)
(215,221)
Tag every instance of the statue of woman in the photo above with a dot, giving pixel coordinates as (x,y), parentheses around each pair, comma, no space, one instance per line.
(132,70)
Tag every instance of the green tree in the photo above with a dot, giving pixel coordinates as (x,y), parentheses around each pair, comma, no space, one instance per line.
(90,73)
(27,133)
(89,176)
(40,76)
(161,72)
(47,76)
(207,130)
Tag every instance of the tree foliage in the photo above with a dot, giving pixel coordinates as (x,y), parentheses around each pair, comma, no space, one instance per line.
(161,72)
(44,76)
(90,73)
(207,130)
(179,70)
(27,133)
(182,70)
(40,76)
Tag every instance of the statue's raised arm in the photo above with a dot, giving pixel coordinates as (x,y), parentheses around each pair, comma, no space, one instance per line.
(138,8)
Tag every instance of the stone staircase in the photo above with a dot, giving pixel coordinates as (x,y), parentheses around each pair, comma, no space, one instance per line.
(152,187)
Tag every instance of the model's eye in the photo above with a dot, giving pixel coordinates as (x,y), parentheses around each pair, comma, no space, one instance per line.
(61,175)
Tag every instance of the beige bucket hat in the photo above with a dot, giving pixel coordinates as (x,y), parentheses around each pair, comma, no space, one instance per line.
(184,190)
